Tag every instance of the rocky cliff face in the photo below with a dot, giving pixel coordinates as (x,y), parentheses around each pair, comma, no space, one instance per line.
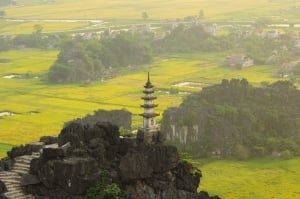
(82,155)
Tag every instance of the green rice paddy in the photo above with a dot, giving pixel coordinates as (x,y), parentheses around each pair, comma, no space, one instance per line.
(41,109)
(259,179)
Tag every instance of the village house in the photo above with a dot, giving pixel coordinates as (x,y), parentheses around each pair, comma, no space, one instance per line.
(272,34)
(211,29)
(287,68)
(239,60)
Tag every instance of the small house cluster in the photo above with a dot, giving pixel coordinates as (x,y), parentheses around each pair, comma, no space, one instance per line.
(238,60)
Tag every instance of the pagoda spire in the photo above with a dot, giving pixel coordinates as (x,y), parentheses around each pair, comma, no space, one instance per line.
(149,127)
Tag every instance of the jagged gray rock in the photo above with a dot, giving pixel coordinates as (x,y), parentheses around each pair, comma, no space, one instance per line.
(134,166)
(144,171)
(49,139)
(83,154)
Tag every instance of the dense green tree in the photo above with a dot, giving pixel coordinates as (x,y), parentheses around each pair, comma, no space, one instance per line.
(240,120)
(184,39)
(86,60)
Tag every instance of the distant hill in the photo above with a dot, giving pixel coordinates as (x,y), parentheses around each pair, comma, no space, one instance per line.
(236,119)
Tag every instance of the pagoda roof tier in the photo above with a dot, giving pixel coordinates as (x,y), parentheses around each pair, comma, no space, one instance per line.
(149,105)
(148,85)
(149,115)
(148,92)
(148,97)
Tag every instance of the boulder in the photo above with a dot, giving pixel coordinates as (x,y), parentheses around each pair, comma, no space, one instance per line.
(97,151)
(6,164)
(170,193)
(73,133)
(126,144)
(112,134)
(161,181)
(134,166)
(140,189)
(52,153)
(45,172)
(18,151)
(35,146)
(76,174)
(94,132)
(49,139)
(28,179)
(186,178)
(25,150)
(162,158)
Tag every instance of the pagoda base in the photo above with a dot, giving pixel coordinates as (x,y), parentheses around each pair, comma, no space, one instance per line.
(150,136)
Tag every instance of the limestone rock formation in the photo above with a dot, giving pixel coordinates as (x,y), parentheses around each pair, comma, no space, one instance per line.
(84,153)
(121,118)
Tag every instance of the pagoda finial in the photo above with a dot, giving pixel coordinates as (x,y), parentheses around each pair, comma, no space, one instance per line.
(148,77)
(148,83)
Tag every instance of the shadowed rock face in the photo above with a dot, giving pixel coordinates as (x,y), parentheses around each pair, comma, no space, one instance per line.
(84,153)
(2,188)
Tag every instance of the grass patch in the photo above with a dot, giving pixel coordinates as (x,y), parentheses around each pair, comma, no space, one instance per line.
(4,148)
(261,179)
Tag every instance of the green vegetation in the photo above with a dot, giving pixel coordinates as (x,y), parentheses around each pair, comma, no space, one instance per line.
(4,148)
(104,190)
(86,60)
(82,60)
(111,191)
(239,120)
(34,40)
(262,179)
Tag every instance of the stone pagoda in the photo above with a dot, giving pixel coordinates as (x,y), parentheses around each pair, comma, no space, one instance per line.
(149,131)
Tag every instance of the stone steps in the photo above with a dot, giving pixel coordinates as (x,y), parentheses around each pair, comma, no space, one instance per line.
(12,178)
(20,164)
